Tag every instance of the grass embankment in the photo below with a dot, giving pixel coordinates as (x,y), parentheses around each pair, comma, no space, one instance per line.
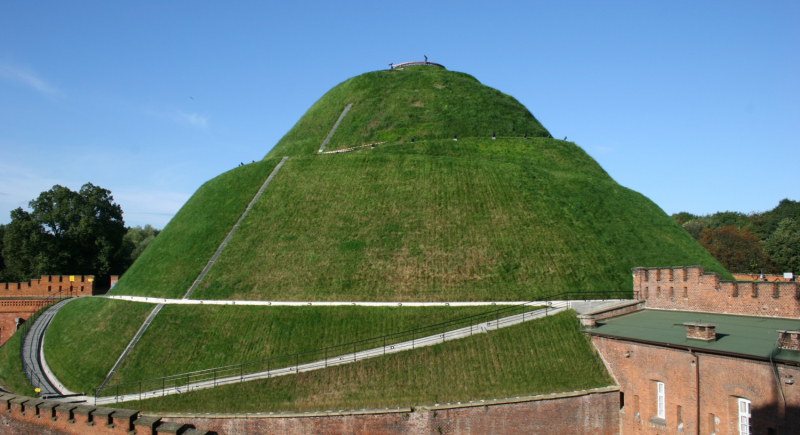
(175,258)
(188,338)
(87,336)
(468,220)
(395,105)
(11,374)
(537,357)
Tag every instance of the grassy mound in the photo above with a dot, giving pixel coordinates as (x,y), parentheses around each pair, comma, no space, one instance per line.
(11,374)
(175,258)
(87,336)
(541,356)
(442,220)
(396,105)
(432,220)
(187,338)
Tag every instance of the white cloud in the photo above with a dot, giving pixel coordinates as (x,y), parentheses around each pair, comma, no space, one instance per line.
(27,78)
(142,207)
(195,119)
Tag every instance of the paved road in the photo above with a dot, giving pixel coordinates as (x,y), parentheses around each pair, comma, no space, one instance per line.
(32,353)
(339,359)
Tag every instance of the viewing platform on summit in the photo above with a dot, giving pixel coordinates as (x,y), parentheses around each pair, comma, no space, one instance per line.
(425,62)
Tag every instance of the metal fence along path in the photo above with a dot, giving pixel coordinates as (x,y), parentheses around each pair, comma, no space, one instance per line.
(31,348)
(341,354)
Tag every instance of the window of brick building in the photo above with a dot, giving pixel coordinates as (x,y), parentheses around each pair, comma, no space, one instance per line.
(744,417)
(661,411)
(686,292)
(712,424)
(636,406)
(680,417)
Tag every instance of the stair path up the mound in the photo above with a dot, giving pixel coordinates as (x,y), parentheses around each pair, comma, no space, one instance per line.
(197,281)
(335,126)
(233,230)
(430,340)
(133,342)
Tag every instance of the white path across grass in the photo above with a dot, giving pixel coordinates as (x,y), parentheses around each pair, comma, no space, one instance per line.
(335,304)
(226,378)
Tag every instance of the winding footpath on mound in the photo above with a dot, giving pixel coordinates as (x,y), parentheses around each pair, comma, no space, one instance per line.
(199,278)
(430,340)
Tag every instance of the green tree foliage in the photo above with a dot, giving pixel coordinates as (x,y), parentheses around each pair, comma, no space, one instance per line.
(766,223)
(737,250)
(761,225)
(139,238)
(783,246)
(66,232)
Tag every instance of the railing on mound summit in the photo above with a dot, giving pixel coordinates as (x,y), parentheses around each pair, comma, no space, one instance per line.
(348,352)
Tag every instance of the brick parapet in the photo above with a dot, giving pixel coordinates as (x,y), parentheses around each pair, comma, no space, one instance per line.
(48,285)
(692,289)
(593,412)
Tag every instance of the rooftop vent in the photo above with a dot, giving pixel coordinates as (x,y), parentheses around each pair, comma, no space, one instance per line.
(789,340)
(701,331)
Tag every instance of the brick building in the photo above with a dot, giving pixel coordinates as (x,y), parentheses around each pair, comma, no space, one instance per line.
(704,356)
(19,301)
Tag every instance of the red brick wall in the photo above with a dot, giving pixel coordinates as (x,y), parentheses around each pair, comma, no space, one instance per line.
(13,309)
(48,285)
(596,414)
(722,380)
(589,414)
(691,289)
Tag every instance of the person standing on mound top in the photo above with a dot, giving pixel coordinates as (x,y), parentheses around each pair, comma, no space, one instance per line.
(426,58)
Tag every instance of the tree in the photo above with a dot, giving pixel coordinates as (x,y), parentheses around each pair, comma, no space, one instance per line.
(766,223)
(683,217)
(67,232)
(140,238)
(783,246)
(737,250)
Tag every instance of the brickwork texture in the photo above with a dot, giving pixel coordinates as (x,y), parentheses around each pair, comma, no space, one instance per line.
(722,380)
(691,289)
(596,414)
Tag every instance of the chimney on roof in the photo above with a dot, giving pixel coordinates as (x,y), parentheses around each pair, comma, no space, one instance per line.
(789,340)
(701,331)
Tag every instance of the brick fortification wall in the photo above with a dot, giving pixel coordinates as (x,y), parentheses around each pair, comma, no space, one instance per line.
(691,289)
(595,413)
(48,285)
(723,379)
(19,300)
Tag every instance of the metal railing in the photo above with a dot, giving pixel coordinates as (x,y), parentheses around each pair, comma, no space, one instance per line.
(33,352)
(348,352)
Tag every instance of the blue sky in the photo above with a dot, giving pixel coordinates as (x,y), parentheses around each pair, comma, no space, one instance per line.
(694,104)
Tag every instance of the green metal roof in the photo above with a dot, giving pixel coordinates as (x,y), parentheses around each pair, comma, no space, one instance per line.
(743,335)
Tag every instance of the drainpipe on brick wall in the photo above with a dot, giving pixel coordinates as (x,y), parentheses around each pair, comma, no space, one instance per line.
(697,386)
(775,372)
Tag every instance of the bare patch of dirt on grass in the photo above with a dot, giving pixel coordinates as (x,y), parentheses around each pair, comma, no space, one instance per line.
(439,85)
(417,103)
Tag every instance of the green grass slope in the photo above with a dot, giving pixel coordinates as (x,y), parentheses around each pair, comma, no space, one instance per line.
(470,220)
(85,338)
(396,105)
(432,220)
(175,258)
(11,374)
(541,356)
(188,338)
